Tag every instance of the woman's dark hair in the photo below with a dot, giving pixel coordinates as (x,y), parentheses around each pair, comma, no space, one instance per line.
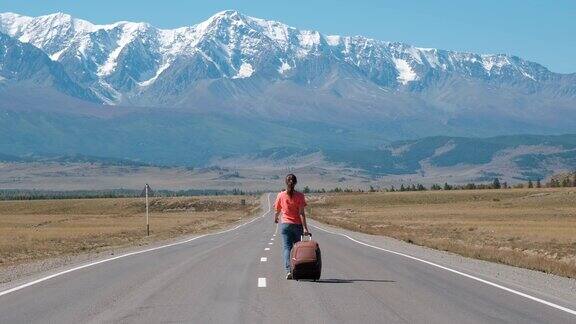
(291,175)
(295,180)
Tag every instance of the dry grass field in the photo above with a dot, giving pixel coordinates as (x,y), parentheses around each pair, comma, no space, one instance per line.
(39,229)
(530,228)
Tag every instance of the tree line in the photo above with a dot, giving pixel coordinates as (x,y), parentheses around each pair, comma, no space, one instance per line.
(556,181)
(23,194)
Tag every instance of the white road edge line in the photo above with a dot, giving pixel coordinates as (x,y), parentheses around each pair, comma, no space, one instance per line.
(261,282)
(536,299)
(31,283)
(263,259)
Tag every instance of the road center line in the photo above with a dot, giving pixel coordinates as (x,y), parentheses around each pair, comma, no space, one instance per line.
(519,293)
(31,283)
(261,282)
(263,259)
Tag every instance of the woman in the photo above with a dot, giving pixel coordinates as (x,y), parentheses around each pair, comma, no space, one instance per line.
(291,204)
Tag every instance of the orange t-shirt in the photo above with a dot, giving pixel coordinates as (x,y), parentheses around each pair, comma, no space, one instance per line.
(290,207)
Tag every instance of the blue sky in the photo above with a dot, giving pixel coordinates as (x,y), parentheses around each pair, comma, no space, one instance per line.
(540,31)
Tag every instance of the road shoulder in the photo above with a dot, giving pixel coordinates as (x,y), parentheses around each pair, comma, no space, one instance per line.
(543,285)
(14,276)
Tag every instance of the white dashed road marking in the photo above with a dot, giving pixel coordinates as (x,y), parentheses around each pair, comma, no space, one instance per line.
(261,282)
(270,243)
(263,259)
(267,249)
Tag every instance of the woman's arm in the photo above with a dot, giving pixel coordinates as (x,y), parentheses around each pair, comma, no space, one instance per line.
(303,220)
(277,208)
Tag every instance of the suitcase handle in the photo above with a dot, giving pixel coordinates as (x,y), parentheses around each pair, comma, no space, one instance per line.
(308,236)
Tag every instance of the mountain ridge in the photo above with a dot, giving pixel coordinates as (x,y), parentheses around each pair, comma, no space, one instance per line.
(235,84)
(120,61)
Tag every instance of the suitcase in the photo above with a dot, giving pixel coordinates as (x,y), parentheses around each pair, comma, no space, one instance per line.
(305,259)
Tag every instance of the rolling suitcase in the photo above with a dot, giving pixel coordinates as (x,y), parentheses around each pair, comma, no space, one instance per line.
(305,259)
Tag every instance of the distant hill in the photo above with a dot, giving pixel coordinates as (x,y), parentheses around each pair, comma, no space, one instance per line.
(522,156)
(76,158)
(457,159)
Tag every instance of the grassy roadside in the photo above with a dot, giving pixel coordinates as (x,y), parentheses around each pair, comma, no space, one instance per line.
(41,229)
(530,228)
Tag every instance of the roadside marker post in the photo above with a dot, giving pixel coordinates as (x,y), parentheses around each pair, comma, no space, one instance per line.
(147,192)
(147,222)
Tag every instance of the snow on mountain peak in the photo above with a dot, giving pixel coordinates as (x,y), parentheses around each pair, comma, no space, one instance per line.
(284,68)
(58,18)
(333,40)
(228,14)
(11,23)
(246,70)
(405,71)
(489,61)
(309,38)
(130,31)
(222,19)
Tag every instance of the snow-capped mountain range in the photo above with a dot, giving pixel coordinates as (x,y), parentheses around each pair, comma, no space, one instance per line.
(235,84)
(136,63)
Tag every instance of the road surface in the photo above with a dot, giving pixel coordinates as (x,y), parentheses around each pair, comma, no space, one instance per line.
(237,277)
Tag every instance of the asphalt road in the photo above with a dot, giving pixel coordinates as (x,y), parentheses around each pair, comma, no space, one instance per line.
(224,278)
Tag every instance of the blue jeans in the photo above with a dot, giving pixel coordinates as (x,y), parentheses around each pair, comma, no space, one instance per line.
(290,235)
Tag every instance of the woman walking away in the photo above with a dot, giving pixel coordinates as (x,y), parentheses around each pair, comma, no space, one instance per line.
(291,204)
